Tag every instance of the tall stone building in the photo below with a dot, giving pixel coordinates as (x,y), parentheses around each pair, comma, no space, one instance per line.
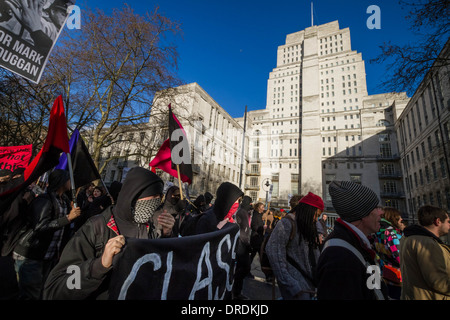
(320,124)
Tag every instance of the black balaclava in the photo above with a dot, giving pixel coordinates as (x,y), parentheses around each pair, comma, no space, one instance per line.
(208,198)
(245,204)
(130,214)
(226,196)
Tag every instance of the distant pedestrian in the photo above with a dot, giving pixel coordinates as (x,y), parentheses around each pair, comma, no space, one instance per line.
(322,228)
(293,249)
(257,232)
(347,257)
(424,258)
(294,201)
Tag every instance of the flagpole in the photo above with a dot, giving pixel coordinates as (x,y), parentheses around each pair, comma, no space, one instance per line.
(179,182)
(72,180)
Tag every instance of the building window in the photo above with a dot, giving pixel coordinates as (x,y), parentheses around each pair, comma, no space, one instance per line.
(356,178)
(328,179)
(433,168)
(443,170)
(390,187)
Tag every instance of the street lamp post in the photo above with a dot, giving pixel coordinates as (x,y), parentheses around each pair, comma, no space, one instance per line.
(266,187)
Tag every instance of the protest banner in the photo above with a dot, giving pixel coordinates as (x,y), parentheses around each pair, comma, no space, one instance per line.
(28,32)
(199,267)
(12,158)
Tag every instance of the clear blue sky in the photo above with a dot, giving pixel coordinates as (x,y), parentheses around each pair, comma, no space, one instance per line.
(229,47)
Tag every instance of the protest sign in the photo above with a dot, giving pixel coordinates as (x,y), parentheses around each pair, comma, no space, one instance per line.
(28,32)
(12,158)
(199,267)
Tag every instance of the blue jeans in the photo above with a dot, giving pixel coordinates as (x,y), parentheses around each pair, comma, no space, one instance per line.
(30,278)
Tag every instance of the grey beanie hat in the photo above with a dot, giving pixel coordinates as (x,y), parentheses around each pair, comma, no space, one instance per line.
(352,201)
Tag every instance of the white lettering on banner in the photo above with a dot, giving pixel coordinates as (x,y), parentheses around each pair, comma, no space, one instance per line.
(207,282)
(222,264)
(151,257)
(199,284)
(167,276)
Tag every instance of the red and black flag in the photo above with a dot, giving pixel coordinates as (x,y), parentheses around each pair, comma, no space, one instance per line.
(175,151)
(84,169)
(57,141)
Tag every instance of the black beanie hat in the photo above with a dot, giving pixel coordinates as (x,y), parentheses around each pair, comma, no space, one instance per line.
(352,201)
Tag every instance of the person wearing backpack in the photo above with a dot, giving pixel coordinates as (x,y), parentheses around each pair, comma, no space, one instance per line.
(293,249)
(347,268)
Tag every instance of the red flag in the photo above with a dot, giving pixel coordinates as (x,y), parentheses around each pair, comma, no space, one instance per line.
(179,147)
(163,161)
(57,141)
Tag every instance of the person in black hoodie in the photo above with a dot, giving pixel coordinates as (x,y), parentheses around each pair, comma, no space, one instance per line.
(208,199)
(93,247)
(227,201)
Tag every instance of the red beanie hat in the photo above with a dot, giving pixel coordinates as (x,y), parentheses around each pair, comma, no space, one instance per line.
(313,200)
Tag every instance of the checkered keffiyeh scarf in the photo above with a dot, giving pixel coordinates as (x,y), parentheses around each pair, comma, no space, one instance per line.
(145,209)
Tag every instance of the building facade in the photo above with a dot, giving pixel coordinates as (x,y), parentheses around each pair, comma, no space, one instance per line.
(320,124)
(424,140)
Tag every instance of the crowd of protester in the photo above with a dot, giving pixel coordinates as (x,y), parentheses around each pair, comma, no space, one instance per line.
(369,252)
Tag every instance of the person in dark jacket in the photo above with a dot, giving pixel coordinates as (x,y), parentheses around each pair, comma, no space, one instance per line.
(38,248)
(343,267)
(96,203)
(93,247)
(175,206)
(208,198)
(257,233)
(227,201)
(243,264)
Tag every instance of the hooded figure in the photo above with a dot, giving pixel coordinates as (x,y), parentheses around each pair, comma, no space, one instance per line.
(135,218)
(208,199)
(175,206)
(224,208)
(94,246)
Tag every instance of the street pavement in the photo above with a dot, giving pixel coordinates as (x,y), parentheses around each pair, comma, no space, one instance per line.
(257,288)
